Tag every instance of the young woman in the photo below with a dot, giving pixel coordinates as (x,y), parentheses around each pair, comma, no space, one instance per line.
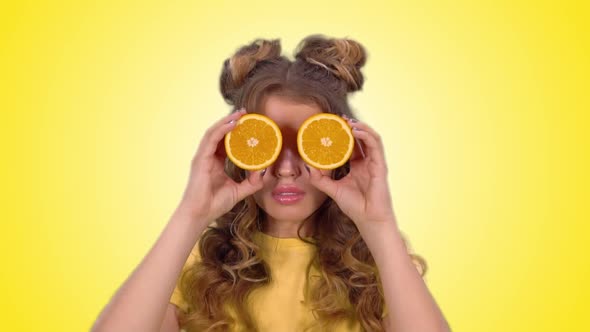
(290,247)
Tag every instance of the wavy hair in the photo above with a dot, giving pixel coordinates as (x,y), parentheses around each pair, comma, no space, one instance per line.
(323,72)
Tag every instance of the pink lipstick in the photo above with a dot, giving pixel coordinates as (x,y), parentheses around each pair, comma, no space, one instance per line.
(287,194)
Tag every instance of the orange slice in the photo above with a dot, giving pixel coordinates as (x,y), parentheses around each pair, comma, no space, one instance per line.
(325,141)
(254,143)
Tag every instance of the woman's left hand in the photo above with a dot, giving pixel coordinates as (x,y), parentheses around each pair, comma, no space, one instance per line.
(363,194)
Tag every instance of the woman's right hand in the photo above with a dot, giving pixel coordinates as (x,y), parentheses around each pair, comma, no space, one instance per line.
(210,193)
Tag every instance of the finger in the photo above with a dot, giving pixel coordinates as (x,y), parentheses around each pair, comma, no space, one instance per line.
(363,126)
(358,152)
(374,148)
(233,115)
(321,181)
(251,184)
(215,134)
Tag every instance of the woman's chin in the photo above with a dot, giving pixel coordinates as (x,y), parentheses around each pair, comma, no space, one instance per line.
(290,214)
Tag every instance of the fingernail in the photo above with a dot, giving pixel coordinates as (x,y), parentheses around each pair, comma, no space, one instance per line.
(263,172)
(353,120)
(356,129)
(231,122)
(307,168)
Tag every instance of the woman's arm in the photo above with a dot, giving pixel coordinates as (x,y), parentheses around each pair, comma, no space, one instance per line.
(140,303)
(364,196)
(411,306)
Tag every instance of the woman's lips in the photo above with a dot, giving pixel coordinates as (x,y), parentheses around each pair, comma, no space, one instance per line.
(287,198)
(287,194)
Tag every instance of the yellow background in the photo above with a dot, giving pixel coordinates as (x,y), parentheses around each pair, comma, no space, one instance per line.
(482,105)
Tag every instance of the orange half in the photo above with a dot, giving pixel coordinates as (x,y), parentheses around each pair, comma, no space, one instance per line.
(254,143)
(325,141)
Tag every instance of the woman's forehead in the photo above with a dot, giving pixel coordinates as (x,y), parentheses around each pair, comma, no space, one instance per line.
(288,113)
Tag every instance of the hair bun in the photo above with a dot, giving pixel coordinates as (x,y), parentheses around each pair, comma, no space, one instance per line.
(341,56)
(241,65)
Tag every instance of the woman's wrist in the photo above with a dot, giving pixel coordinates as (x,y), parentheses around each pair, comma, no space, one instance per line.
(193,216)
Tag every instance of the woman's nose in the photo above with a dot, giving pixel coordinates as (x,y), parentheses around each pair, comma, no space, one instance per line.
(288,164)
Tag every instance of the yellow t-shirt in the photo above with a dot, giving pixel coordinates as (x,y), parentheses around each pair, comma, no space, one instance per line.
(279,306)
